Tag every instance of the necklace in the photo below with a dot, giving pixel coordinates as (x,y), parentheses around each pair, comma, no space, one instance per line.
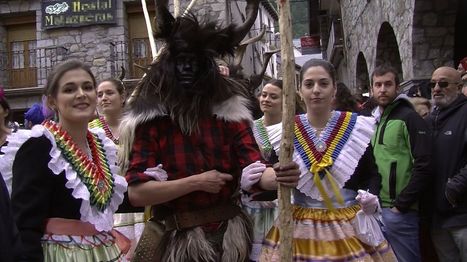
(93,172)
(262,136)
(101,123)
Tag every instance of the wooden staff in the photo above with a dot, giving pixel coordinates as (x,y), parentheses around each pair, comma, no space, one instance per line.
(176,8)
(189,7)
(288,113)
(152,43)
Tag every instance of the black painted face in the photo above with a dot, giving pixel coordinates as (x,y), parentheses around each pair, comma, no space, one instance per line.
(187,70)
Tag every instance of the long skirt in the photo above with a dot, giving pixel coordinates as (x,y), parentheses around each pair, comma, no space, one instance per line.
(263,220)
(100,247)
(130,225)
(325,235)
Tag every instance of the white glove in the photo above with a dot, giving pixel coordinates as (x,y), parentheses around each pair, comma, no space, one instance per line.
(251,175)
(157,173)
(368,202)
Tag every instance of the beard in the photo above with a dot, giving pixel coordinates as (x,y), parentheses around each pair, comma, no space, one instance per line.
(186,106)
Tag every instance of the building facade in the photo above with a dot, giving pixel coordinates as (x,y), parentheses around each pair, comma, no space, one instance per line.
(35,35)
(414,36)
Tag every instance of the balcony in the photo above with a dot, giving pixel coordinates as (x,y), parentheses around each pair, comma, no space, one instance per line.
(335,47)
(23,70)
(128,55)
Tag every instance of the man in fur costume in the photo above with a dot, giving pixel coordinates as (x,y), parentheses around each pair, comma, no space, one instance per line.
(187,137)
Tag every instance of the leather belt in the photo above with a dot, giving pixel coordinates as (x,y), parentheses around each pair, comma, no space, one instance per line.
(194,218)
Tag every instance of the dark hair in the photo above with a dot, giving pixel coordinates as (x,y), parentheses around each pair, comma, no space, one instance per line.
(344,100)
(328,67)
(275,82)
(4,104)
(118,84)
(413,91)
(384,69)
(51,87)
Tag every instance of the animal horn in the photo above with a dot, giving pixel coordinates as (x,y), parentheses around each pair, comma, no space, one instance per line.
(251,11)
(137,89)
(240,51)
(122,74)
(255,80)
(163,19)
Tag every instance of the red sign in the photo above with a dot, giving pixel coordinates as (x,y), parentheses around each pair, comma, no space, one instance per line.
(310,44)
(309,41)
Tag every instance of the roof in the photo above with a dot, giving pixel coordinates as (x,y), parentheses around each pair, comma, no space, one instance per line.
(271,8)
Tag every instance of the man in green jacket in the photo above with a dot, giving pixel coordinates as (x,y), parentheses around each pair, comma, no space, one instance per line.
(402,150)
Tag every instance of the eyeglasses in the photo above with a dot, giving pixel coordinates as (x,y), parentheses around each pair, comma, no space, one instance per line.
(441,84)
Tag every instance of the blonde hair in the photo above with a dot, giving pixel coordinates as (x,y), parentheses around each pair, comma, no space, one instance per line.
(418,102)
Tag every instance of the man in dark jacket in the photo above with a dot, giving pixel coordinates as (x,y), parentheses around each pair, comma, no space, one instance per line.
(449,128)
(402,152)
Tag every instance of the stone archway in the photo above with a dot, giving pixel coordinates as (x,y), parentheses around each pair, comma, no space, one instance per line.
(362,76)
(387,49)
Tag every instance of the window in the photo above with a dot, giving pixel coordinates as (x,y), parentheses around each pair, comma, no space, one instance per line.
(17,55)
(32,53)
(140,49)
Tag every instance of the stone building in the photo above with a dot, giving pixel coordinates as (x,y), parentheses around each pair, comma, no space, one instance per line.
(414,36)
(106,34)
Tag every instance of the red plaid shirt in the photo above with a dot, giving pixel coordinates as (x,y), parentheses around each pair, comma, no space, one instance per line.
(227,147)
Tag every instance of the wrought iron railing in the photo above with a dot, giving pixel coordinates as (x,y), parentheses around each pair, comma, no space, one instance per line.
(119,54)
(29,68)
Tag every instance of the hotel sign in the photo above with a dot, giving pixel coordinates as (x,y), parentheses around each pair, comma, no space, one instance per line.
(66,13)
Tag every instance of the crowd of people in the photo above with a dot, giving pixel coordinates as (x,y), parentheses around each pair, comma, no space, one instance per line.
(75,184)
(71,204)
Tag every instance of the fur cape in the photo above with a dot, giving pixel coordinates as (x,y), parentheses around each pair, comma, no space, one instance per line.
(232,110)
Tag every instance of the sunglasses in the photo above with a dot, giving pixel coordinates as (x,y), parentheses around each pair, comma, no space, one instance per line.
(441,84)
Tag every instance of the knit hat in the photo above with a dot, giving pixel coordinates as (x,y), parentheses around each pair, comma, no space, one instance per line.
(35,114)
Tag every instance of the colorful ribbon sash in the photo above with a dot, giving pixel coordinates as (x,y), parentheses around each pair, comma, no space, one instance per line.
(261,135)
(94,173)
(318,162)
(101,123)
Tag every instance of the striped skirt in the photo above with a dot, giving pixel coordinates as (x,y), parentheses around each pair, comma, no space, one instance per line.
(100,247)
(325,235)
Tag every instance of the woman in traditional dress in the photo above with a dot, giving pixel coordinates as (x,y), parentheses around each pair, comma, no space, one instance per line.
(335,158)
(267,130)
(65,183)
(110,102)
(111,96)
